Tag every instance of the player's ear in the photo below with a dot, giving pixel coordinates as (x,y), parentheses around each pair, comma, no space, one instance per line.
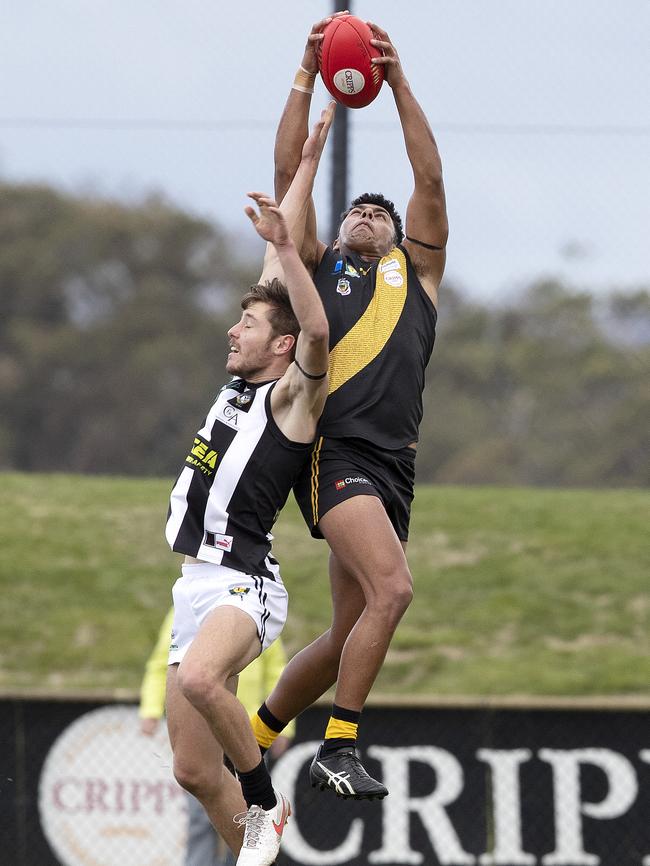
(284,344)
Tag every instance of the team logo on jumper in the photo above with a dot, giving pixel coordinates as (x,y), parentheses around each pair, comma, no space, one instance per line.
(218,540)
(343,287)
(239,590)
(243,402)
(343,482)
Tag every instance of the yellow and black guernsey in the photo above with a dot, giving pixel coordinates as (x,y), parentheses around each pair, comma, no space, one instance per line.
(382,330)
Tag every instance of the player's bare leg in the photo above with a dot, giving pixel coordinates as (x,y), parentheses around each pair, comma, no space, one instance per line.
(312,671)
(198,764)
(374,557)
(361,536)
(225,644)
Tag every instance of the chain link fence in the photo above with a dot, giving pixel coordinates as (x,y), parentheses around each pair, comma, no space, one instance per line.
(510,787)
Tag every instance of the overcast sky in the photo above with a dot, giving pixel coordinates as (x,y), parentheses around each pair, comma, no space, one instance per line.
(541,112)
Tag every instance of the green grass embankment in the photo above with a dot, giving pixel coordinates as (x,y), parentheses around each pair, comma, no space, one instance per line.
(518,591)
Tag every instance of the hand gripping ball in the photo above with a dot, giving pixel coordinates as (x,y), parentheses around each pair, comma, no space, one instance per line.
(344,60)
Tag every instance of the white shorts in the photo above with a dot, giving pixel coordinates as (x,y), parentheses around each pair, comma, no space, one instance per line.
(205,586)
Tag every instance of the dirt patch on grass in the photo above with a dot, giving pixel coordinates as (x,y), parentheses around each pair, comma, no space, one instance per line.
(438,551)
(583,642)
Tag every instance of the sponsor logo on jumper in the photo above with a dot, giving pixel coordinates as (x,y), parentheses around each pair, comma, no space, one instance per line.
(343,482)
(394,279)
(230,415)
(239,590)
(350,270)
(202,456)
(390,265)
(343,287)
(218,539)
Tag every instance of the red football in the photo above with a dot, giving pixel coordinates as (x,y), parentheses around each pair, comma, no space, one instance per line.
(344,61)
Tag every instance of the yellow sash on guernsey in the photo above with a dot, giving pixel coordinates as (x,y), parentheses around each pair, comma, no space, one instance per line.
(368,336)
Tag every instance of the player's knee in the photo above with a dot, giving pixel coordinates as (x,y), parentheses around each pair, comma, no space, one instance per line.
(194,777)
(393,598)
(402,598)
(197,686)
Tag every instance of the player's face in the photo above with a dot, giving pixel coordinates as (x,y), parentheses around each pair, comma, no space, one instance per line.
(250,342)
(368,229)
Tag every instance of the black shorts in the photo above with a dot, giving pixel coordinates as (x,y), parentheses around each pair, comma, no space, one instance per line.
(342,468)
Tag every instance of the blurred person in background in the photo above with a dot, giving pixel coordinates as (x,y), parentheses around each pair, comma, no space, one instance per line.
(380,290)
(204,845)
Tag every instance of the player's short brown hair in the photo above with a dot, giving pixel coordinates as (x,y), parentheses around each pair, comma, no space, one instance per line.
(281,316)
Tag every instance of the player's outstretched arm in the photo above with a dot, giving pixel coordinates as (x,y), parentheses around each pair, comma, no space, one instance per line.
(297,203)
(304,386)
(293,128)
(426,216)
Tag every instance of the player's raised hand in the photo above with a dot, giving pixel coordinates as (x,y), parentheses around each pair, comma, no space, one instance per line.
(269,223)
(390,59)
(310,57)
(313,146)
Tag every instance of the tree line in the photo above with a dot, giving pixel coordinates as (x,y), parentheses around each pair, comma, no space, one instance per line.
(113,341)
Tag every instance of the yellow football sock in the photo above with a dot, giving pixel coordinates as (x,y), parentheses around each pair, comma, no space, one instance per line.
(264,735)
(338,729)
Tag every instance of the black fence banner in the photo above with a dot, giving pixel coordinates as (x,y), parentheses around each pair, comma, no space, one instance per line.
(81,786)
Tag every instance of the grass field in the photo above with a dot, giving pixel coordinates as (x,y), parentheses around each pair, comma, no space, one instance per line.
(518,591)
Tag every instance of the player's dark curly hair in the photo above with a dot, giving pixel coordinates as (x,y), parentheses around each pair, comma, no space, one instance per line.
(378,199)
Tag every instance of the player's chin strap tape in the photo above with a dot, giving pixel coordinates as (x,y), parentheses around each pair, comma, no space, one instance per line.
(422,244)
(309,375)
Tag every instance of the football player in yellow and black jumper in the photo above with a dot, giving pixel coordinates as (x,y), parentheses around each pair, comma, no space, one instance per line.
(379,290)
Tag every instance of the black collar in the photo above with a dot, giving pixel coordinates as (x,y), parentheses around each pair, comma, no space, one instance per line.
(242,385)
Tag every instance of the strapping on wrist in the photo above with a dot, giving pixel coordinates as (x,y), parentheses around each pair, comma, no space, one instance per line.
(304,80)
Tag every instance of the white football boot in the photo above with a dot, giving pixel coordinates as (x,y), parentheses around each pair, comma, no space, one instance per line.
(262,832)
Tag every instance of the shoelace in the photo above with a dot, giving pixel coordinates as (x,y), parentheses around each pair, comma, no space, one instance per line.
(253,820)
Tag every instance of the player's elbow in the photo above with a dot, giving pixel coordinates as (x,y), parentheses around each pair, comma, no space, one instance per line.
(315,331)
(429,181)
(319,332)
(284,174)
